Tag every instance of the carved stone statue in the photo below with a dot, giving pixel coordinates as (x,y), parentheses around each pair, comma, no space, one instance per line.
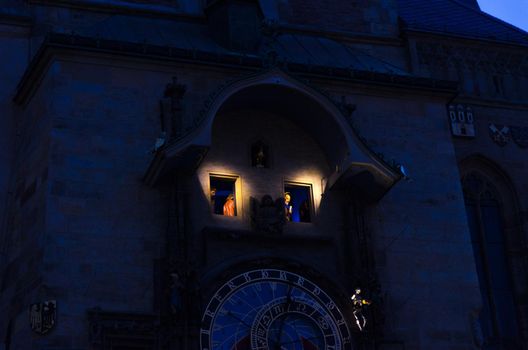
(172,109)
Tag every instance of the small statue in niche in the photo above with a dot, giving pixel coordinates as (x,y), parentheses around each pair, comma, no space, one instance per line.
(259,155)
(358,303)
(260,158)
(268,215)
(229,205)
(288,207)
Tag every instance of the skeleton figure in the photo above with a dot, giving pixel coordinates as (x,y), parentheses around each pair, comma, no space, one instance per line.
(358,304)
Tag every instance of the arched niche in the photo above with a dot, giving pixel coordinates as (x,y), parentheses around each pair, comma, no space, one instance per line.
(274,91)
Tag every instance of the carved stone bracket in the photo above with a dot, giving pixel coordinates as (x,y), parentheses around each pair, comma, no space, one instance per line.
(347,109)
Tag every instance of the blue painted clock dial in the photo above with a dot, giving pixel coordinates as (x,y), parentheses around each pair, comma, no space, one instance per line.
(271,309)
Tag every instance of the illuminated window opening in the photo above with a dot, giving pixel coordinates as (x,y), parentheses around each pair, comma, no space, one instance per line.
(298,202)
(223,194)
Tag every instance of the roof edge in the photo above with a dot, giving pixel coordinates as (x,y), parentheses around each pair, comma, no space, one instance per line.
(464,37)
(59,41)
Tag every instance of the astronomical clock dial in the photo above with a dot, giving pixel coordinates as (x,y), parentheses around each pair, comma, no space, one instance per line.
(270,309)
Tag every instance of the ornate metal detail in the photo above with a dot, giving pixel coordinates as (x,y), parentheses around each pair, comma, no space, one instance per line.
(500,134)
(461,118)
(267,216)
(42,316)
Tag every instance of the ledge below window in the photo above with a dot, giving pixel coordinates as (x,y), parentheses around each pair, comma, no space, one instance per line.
(223,233)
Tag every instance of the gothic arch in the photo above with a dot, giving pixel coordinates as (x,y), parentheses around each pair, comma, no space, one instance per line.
(505,191)
(274,90)
(489,192)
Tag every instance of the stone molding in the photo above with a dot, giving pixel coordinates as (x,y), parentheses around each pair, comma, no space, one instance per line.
(485,59)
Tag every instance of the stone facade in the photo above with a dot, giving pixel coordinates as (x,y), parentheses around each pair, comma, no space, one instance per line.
(116,115)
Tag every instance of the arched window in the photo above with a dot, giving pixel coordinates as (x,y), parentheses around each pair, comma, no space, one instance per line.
(485,213)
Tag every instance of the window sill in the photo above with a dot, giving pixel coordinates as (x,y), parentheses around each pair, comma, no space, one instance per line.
(223,233)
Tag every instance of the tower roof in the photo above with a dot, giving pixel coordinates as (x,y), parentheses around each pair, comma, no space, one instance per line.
(459,18)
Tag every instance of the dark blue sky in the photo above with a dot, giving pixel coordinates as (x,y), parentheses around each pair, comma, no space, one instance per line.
(511,11)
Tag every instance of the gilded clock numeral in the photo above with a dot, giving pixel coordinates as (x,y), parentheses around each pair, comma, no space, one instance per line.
(278,309)
(322,322)
(282,276)
(247,277)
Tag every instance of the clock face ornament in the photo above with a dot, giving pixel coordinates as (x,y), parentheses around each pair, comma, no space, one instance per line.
(271,309)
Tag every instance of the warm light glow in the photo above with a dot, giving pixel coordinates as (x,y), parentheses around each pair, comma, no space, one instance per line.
(244,189)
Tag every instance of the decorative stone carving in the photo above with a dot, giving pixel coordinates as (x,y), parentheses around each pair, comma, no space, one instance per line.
(461,118)
(488,60)
(347,109)
(270,31)
(42,316)
(172,109)
(500,134)
(519,135)
(267,216)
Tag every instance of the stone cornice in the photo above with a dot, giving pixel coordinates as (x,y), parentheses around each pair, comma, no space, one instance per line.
(160,11)
(477,57)
(56,43)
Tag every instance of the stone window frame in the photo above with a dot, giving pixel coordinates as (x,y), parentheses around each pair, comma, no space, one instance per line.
(503,191)
(310,185)
(238,192)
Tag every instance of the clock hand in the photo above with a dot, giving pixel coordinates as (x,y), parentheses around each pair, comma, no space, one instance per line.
(288,302)
(230,314)
(299,340)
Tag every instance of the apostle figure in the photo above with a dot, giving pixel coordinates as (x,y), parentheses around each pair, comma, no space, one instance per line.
(288,208)
(229,205)
(304,211)
(357,304)
(213,196)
